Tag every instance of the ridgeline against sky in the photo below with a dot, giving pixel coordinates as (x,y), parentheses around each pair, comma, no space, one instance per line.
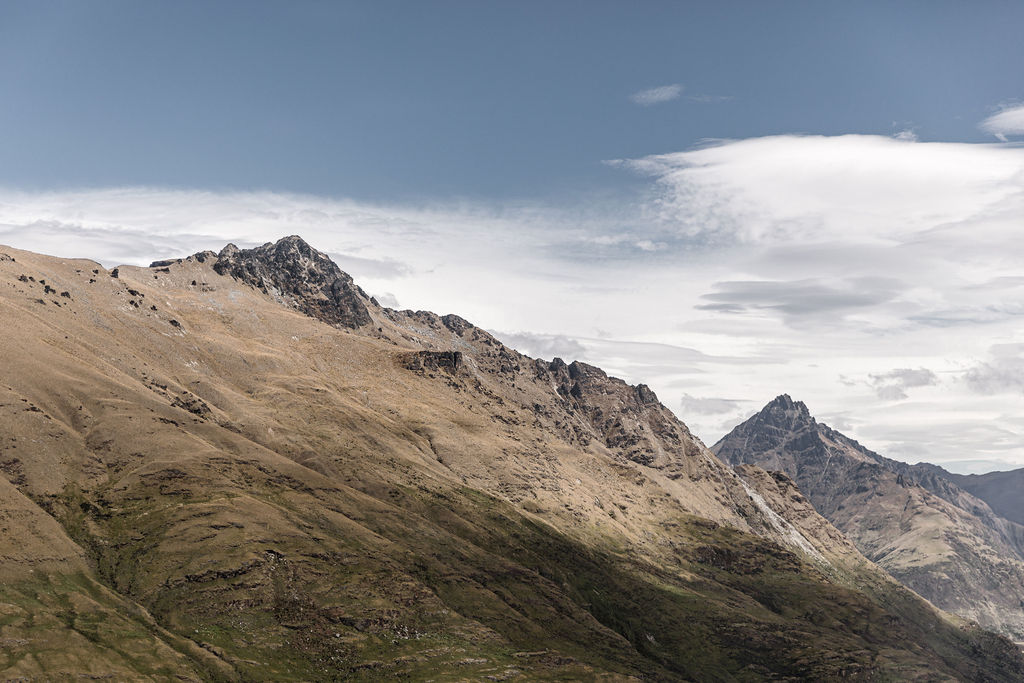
(725,201)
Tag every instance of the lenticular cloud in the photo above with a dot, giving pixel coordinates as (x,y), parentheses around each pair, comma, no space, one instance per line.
(813,188)
(1007,123)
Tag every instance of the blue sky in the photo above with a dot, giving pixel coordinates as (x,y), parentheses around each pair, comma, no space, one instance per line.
(427,100)
(726,201)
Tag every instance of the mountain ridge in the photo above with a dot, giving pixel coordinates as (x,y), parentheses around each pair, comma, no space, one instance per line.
(1001,490)
(253,493)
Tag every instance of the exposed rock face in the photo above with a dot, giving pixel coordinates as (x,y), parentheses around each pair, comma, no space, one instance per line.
(448,361)
(783,495)
(627,418)
(578,400)
(304,277)
(927,532)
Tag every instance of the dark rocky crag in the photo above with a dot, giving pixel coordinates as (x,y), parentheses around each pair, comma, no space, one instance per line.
(302,276)
(913,520)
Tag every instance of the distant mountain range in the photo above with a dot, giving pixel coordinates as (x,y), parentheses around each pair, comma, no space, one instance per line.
(954,539)
(1003,491)
(238,466)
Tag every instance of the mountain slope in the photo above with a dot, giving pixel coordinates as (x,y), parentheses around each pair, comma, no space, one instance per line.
(934,537)
(261,474)
(1001,490)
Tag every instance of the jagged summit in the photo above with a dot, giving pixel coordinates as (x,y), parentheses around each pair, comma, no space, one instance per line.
(783,407)
(785,402)
(762,438)
(308,279)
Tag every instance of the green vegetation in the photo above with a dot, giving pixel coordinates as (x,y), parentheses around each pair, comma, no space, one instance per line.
(62,625)
(428,585)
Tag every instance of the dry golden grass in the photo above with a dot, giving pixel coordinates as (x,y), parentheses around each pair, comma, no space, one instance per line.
(203,482)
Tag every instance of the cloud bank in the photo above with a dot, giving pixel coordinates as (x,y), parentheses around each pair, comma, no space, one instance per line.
(879,280)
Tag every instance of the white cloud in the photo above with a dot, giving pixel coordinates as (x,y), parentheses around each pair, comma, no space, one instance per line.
(1009,122)
(860,188)
(749,269)
(388,299)
(893,385)
(664,93)
(648,245)
(1001,372)
(545,346)
(708,406)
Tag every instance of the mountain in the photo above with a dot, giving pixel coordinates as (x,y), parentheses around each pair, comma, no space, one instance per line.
(239,466)
(1001,490)
(913,520)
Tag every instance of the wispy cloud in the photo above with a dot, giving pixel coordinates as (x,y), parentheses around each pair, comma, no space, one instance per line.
(1008,122)
(708,406)
(1002,372)
(905,131)
(663,93)
(709,99)
(814,188)
(800,298)
(893,385)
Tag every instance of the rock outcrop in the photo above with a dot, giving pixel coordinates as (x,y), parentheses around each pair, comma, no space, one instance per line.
(447,361)
(628,418)
(301,276)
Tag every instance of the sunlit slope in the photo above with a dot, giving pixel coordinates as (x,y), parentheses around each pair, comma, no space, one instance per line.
(296,500)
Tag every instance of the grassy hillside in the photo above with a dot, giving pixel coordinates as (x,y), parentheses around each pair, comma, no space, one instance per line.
(228,489)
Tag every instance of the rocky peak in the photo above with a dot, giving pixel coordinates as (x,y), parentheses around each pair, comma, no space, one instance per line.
(783,436)
(304,277)
(457,324)
(783,411)
(645,395)
(911,519)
